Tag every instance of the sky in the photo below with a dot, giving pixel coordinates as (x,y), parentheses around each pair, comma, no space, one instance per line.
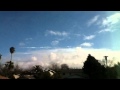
(44,37)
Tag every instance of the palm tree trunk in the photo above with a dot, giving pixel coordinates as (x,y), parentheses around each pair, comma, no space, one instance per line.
(11,57)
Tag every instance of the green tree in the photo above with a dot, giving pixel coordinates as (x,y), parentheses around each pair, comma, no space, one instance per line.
(37,71)
(12,50)
(54,66)
(9,65)
(93,68)
(17,69)
(7,70)
(64,66)
(111,73)
(46,75)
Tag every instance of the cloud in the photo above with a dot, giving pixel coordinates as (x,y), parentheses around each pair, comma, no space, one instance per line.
(105,30)
(34,58)
(112,19)
(110,23)
(46,47)
(21,44)
(74,57)
(30,47)
(53,56)
(54,42)
(89,37)
(87,44)
(57,33)
(93,20)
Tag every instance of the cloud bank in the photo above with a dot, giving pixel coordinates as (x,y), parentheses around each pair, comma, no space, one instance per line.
(74,57)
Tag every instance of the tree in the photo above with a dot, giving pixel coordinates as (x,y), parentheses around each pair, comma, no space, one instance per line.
(8,69)
(37,71)
(54,66)
(12,50)
(46,75)
(93,68)
(64,66)
(111,73)
(17,69)
(9,65)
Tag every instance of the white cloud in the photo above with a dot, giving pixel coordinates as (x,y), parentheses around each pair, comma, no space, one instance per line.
(30,47)
(46,47)
(74,57)
(57,33)
(89,37)
(34,58)
(105,30)
(87,44)
(110,23)
(53,56)
(112,19)
(93,20)
(21,43)
(54,42)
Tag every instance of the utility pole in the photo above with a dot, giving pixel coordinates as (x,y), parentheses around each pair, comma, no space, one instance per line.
(106,60)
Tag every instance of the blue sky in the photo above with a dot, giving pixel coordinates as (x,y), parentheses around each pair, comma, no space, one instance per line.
(32,32)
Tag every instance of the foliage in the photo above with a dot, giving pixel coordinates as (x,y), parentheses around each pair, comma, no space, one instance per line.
(12,50)
(9,65)
(64,66)
(54,66)
(111,73)
(93,68)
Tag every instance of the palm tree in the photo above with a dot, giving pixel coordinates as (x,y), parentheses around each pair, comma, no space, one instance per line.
(12,50)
